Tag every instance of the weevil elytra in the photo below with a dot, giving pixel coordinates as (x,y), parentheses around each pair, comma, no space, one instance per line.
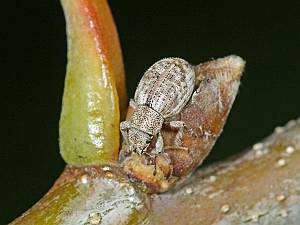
(163,91)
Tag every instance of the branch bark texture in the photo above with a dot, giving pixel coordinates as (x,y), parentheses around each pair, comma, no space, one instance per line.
(260,186)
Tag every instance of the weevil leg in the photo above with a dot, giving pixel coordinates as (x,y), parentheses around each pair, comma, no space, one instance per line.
(176,148)
(154,173)
(124,126)
(159,145)
(180,126)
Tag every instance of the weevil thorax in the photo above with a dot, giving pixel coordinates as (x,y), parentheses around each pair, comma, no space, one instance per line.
(147,120)
(145,123)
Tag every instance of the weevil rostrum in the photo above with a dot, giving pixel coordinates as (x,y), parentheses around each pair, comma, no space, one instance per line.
(163,91)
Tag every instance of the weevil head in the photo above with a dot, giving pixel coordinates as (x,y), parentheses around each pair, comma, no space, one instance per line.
(138,140)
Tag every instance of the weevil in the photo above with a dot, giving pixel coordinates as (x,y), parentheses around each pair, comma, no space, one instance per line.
(162,93)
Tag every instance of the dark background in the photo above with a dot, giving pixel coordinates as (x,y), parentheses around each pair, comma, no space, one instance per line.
(266,35)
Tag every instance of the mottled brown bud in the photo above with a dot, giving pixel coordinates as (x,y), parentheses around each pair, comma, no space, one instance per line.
(188,136)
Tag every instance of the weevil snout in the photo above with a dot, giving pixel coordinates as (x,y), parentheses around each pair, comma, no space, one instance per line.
(138,140)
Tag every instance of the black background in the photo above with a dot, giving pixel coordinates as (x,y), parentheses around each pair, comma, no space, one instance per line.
(33,59)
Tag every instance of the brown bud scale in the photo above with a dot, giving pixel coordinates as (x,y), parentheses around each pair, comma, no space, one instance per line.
(188,136)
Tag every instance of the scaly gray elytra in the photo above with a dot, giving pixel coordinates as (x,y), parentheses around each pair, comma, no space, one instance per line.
(163,91)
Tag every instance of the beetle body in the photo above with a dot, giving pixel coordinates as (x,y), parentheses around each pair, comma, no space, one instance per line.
(162,92)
